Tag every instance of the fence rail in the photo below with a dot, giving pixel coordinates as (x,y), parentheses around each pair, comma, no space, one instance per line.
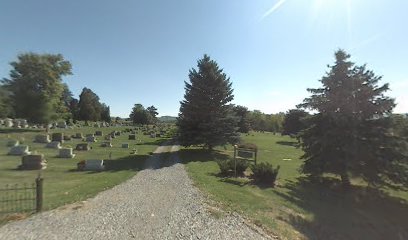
(21,198)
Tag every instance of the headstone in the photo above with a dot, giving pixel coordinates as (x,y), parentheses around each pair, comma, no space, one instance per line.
(23,123)
(13,143)
(1,122)
(108,137)
(33,162)
(125,145)
(62,124)
(42,138)
(98,133)
(16,123)
(106,144)
(19,150)
(94,165)
(90,139)
(83,147)
(132,137)
(58,137)
(8,122)
(67,138)
(78,135)
(54,144)
(66,153)
(117,133)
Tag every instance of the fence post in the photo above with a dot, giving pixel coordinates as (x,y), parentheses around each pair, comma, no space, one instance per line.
(39,193)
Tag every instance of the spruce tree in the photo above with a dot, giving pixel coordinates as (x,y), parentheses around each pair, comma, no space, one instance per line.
(205,117)
(350,135)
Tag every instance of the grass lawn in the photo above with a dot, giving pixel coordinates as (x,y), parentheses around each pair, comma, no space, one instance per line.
(62,183)
(296,208)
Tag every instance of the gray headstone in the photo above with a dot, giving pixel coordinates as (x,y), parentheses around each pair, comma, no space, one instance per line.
(66,153)
(19,150)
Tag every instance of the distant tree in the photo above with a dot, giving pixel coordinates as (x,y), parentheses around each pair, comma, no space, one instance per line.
(400,124)
(152,117)
(257,120)
(105,113)
(293,122)
(89,106)
(205,116)
(139,115)
(350,135)
(242,113)
(74,109)
(6,109)
(36,87)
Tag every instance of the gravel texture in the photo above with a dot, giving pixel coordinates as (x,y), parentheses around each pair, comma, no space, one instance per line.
(160,202)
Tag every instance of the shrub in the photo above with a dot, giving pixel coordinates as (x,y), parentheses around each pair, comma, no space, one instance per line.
(224,166)
(242,165)
(265,173)
(227,166)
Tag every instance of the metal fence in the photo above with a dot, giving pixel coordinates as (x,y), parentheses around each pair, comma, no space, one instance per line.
(21,198)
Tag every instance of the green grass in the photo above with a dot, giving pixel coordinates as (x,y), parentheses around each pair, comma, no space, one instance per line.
(296,208)
(62,183)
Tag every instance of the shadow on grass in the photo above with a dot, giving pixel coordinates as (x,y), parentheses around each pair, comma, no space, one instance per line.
(137,163)
(19,130)
(201,155)
(355,213)
(158,142)
(288,143)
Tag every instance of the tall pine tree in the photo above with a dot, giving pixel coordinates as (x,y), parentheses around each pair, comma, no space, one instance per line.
(350,134)
(205,117)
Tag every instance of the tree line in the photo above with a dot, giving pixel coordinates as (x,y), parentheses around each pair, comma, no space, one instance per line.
(35,91)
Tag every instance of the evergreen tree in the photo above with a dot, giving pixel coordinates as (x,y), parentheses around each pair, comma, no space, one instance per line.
(89,106)
(293,122)
(105,113)
(350,133)
(205,116)
(152,117)
(242,113)
(36,87)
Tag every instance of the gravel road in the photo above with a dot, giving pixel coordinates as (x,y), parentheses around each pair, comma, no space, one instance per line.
(158,203)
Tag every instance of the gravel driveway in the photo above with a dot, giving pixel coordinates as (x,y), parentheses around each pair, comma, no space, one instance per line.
(157,203)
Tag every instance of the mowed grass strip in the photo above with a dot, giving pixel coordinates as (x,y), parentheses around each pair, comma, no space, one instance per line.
(296,208)
(62,183)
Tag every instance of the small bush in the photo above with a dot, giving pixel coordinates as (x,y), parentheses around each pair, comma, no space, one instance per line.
(242,165)
(227,166)
(224,166)
(265,173)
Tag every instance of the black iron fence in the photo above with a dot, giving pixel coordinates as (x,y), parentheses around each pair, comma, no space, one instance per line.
(21,198)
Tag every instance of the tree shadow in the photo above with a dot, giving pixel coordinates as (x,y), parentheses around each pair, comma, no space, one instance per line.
(355,213)
(20,130)
(288,143)
(157,142)
(201,155)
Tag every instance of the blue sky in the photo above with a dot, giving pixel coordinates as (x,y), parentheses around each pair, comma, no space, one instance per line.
(132,51)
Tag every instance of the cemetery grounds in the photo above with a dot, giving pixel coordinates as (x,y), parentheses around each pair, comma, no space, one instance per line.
(297,208)
(63,184)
